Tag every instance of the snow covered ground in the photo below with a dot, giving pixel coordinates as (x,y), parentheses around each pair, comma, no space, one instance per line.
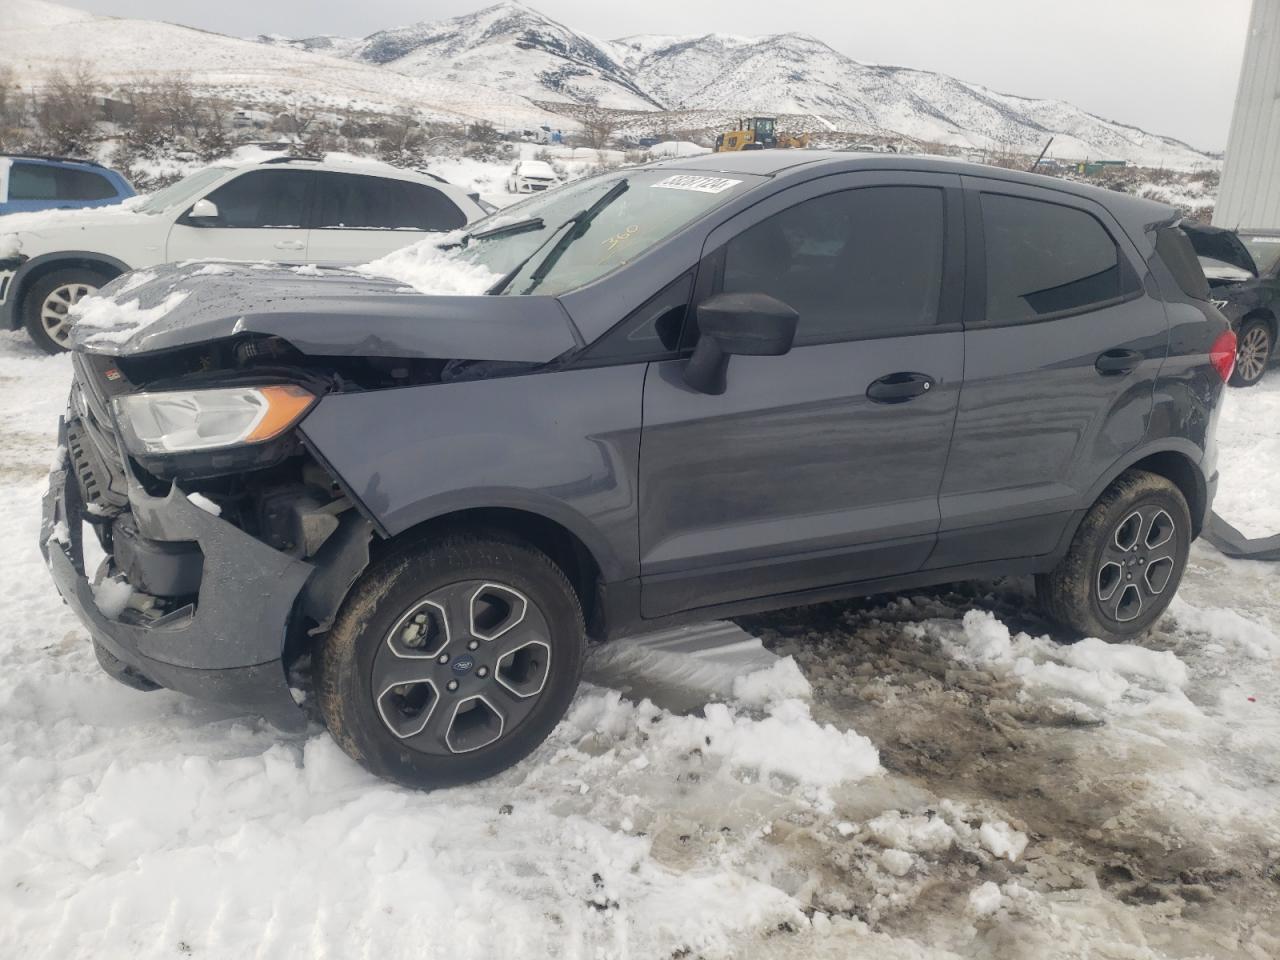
(923,776)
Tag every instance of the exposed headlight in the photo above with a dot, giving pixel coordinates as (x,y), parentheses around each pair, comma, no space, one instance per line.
(183,421)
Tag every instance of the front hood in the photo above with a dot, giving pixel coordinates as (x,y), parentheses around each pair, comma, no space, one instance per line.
(59,228)
(320,311)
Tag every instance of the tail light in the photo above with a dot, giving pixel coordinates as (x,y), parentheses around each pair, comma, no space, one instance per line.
(1223,355)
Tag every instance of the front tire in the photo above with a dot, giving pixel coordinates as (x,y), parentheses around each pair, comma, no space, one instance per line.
(1125,562)
(451,661)
(51,298)
(1256,344)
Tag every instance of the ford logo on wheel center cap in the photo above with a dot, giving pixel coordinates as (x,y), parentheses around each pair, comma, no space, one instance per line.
(463,664)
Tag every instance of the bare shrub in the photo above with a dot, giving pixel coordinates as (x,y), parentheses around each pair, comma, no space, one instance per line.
(598,125)
(67,111)
(401,140)
(13,135)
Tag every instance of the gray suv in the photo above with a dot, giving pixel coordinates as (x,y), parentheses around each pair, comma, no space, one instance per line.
(687,391)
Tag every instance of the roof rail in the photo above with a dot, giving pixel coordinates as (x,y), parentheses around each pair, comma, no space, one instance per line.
(52,159)
(293,159)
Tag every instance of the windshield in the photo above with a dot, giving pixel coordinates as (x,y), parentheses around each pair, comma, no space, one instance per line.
(188,188)
(1265,251)
(554,257)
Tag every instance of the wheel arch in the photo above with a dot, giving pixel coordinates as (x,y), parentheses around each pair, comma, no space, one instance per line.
(1262,313)
(565,548)
(1177,462)
(37,267)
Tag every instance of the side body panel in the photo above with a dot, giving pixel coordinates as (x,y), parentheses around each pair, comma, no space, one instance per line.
(186,242)
(563,446)
(1038,423)
(793,478)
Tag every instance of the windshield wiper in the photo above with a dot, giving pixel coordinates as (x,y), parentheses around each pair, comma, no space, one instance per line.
(504,230)
(580,222)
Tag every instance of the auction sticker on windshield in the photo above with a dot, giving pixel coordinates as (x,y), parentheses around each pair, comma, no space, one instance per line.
(687,181)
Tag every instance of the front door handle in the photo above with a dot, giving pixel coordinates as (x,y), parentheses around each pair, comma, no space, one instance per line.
(290,245)
(1116,363)
(899,387)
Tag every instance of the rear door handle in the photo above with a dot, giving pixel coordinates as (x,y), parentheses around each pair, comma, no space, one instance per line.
(290,245)
(899,387)
(1114,363)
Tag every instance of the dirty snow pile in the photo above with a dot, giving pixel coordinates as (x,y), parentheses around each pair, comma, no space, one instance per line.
(1088,674)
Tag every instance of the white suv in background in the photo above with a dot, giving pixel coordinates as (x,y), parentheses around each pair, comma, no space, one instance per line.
(531,176)
(292,209)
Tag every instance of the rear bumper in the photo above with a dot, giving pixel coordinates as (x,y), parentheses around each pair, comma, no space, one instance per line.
(228,645)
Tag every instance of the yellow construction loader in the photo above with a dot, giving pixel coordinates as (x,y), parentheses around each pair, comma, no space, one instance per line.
(758,133)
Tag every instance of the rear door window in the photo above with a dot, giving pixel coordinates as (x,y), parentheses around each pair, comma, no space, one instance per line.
(32,181)
(263,198)
(857,264)
(1046,259)
(354,202)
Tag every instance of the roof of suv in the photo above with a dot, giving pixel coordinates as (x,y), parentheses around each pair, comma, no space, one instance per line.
(357,165)
(51,160)
(1135,213)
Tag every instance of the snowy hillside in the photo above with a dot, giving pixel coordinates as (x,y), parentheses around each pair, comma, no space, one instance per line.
(512,48)
(508,62)
(121,52)
(521,52)
(798,74)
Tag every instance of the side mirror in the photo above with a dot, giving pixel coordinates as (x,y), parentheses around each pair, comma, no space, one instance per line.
(746,324)
(203,209)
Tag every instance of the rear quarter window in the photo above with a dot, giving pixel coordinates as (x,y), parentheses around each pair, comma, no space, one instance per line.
(82,185)
(1175,250)
(355,202)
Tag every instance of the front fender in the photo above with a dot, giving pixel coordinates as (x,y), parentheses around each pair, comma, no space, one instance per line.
(562,445)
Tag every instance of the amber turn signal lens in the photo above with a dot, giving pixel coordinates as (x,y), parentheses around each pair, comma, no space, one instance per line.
(285,406)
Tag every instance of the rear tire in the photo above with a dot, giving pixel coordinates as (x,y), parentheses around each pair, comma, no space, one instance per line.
(45,306)
(1256,346)
(1125,562)
(451,661)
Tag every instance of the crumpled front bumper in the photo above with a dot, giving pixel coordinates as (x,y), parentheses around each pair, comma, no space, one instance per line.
(226,647)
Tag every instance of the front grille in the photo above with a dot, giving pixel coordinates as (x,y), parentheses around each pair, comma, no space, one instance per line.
(91,441)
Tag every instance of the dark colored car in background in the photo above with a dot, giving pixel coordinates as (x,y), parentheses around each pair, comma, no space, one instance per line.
(1243,269)
(701,388)
(33,183)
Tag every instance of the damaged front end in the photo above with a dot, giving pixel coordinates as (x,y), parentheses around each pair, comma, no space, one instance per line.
(228,545)
(225,573)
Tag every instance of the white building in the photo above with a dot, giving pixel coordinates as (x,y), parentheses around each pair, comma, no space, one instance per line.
(1250,192)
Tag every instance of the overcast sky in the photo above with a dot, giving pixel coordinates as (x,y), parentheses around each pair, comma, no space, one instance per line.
(1169,66)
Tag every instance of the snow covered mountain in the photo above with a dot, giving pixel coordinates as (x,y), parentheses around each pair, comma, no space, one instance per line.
(511,64)
(798,74)
(521,52)
(509,47)
(120,52)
